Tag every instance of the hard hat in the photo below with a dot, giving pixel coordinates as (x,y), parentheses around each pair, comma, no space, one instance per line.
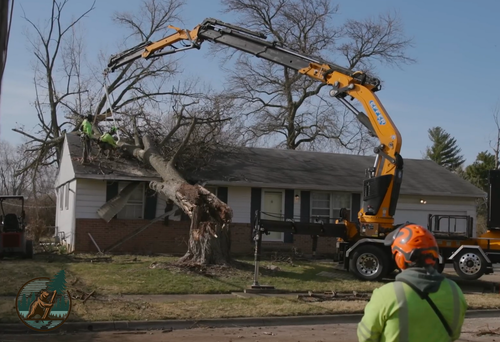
(413,245)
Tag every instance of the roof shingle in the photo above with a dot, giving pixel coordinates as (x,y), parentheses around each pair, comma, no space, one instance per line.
(305,170)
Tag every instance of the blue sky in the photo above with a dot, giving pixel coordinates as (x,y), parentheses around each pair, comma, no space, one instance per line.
(453,84)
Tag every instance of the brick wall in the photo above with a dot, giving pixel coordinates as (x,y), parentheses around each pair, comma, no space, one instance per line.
(172,238)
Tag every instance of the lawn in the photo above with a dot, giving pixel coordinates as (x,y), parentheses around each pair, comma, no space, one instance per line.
(153,275)
(135,275)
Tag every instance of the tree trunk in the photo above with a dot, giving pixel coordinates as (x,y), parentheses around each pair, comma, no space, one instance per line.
(209,234)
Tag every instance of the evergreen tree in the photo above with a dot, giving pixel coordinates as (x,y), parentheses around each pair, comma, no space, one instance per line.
(57,283)
(26,302)
(444,150)
(65,304)
(477,172)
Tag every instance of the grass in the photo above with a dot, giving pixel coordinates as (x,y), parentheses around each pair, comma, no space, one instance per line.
(95,310)
(123,275)
(134,275)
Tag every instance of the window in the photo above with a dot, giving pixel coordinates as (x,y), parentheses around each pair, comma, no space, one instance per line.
(134,209)
(61,197)
(66,202)
(326,206)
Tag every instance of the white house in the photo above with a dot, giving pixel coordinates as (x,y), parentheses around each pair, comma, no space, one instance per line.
(280,183)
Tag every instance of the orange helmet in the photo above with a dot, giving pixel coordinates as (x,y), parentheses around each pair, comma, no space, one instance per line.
(413,245)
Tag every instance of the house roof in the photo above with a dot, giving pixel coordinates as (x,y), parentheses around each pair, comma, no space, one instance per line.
(117,169)
(289,169)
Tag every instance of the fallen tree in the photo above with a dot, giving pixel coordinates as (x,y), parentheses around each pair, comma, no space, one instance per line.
(209,241)
(209,235)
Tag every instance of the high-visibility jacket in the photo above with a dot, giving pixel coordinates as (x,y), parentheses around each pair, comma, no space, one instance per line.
(87,127)
(396,313)
(108,138)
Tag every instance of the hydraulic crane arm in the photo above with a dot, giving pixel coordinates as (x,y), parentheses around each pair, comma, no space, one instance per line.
(381,189)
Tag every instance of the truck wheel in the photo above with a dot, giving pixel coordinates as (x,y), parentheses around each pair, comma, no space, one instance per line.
(469,264)
(28,254)
(369,262)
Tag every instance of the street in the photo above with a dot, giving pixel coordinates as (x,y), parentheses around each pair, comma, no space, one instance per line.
(474,330)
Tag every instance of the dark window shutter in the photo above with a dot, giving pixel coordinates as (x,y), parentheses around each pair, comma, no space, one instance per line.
(255,203)
(150,205)
(355,206)
(222,194)
(111,191)
(289,213)
(305,206)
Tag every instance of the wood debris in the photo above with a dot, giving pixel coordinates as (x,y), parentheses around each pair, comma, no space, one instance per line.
(334,296)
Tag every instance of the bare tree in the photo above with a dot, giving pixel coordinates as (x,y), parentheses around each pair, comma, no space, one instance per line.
(11,161)
(48,45)
(281,104)
(495,146)
(67,88)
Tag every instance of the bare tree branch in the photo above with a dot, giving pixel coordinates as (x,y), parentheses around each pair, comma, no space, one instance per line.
(281,104)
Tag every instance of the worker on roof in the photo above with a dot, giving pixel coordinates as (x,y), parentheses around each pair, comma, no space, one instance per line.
(107,143)
(422,304)
(88,131)
(108,137)
(86,126)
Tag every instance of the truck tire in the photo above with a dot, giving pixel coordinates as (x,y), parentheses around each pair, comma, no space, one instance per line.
(470,264)
(369,262)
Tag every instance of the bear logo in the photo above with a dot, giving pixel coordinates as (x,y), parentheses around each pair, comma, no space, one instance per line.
(43,304)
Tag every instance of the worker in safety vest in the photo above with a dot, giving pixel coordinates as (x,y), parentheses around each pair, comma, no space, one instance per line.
(108,137)
(88,131)
(107,142)
(86,126)
(422,304)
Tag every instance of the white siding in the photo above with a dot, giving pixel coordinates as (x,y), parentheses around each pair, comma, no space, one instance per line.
(65,214)
(91,195)
(238,198)
(66,171)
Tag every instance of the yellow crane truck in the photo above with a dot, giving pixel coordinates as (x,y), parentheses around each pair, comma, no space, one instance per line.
(360,243)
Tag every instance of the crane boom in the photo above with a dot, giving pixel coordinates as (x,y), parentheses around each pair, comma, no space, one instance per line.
(382,186)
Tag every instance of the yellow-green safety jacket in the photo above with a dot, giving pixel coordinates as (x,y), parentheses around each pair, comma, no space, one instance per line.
(108,138)
(396,313)
(87,127)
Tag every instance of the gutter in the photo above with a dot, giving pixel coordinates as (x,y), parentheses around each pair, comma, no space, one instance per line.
(119,178)
(63,184)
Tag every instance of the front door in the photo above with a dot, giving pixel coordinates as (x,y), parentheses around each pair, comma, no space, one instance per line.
(272,209)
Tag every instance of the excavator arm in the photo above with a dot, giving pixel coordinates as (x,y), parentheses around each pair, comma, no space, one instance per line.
(381,188)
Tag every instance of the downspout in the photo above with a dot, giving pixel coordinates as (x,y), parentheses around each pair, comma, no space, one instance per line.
(73,220)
